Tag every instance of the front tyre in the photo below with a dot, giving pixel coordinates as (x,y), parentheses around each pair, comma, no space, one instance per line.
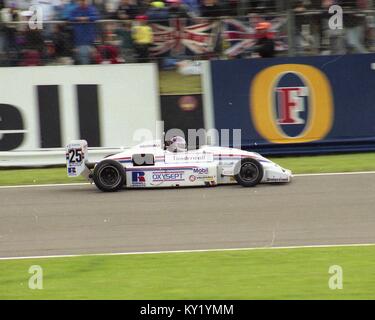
(248,172)
(109,175)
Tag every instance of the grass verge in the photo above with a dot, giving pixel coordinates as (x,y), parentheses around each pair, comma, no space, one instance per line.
(312,164)
(251,274)
(35,176)
(331,163)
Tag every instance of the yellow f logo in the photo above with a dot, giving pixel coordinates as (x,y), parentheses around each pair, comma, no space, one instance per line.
(320,101)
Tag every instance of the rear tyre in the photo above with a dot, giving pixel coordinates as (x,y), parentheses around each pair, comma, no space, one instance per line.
(248,172)
(109,175)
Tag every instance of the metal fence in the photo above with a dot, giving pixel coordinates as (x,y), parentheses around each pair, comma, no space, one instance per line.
(294,32)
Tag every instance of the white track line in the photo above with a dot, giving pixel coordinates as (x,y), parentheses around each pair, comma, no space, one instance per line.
(45,185)
(189,251)
(333,174)
(87,183)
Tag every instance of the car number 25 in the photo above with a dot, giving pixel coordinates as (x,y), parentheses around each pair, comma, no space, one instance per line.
(75,155)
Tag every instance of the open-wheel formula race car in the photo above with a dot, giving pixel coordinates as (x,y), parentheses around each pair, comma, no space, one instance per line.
(149,165)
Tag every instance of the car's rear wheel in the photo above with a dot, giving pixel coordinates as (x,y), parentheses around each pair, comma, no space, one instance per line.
(248,172)
(109,175)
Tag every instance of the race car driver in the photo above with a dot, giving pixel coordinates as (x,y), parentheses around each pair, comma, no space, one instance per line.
(176,144)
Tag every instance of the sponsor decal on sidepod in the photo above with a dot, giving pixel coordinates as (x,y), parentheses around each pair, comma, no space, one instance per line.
(168,176)
(200,170)
(192,178)
(138,178)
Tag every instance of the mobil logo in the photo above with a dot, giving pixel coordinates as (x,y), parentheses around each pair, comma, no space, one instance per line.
(200,170)
(291,103)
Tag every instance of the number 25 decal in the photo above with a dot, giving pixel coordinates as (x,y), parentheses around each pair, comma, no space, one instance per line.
(75,155)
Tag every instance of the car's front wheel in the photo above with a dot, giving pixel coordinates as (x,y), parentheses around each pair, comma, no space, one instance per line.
(109,175)
(248,172)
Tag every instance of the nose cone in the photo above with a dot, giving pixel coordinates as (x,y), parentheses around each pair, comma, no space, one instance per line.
(289,174)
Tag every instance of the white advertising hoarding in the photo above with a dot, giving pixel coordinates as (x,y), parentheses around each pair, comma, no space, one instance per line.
(46,107)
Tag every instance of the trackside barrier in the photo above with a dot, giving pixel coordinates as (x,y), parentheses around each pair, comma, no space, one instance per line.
(49,157)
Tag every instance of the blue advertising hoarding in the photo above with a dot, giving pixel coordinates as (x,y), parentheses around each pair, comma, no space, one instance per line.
(297,105)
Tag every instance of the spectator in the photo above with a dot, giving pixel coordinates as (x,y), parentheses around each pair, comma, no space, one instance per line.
(34,40)
(2,30)
(157,12)
(108,52)
(193,7)
(210,9)
(66,9)
(354,24)
(177,9)
(265,45)
(302,32)
(11,44)
(143,6)
(62,42)
(32,47)
(83,18)
(127,10)
(124,34)
(100,6)
(110,9)
(142,35)
(231,7)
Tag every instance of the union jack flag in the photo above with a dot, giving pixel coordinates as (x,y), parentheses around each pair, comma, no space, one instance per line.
(242,35)
(178,38)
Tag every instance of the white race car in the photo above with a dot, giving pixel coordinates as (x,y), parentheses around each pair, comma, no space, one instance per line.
(148,165)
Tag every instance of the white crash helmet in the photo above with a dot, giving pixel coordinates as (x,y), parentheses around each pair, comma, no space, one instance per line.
(176,144)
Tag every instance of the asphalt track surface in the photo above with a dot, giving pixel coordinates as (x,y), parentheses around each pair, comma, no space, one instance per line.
(312,210)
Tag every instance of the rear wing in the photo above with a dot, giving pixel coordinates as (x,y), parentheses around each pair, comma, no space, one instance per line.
(77,159)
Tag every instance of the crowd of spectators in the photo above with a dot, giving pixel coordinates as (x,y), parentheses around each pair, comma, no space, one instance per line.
(313,35)
(118,31)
